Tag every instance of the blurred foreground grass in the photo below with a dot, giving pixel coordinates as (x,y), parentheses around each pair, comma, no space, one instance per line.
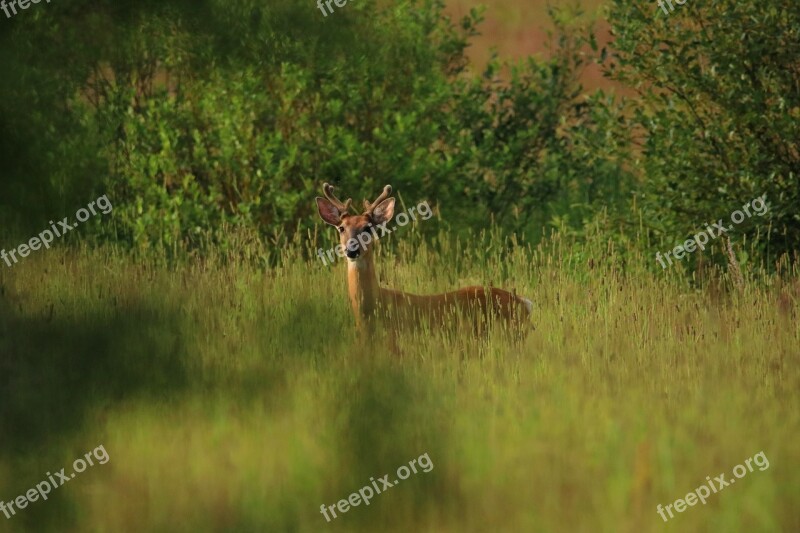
(235,398)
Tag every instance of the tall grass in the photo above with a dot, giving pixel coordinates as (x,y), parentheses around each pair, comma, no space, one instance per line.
(235,397)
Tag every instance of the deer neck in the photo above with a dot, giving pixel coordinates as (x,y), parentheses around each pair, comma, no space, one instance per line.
(363,288)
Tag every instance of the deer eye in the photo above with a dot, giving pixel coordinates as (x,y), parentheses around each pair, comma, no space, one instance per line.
(341,229)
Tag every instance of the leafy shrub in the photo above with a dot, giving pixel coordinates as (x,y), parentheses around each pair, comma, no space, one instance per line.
(718,112)
(207,125)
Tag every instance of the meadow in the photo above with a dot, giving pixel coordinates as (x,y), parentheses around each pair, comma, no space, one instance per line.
(234,397)
(193,336)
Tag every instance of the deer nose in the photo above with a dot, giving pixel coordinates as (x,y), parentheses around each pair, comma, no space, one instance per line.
(352,254)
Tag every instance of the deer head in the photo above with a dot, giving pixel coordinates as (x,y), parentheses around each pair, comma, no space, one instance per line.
(355,231)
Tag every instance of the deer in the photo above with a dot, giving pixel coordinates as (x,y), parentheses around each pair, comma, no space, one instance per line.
(372,303)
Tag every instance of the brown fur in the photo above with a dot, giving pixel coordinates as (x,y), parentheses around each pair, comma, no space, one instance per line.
(477,306)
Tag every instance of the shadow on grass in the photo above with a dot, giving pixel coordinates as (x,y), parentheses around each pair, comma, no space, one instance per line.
(55,371)
(390,417)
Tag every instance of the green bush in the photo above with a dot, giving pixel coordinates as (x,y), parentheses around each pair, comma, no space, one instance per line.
(236,123)
(718,112)
(251,146)
(197,119)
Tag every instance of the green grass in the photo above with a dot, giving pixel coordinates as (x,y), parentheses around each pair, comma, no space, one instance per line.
(237,398)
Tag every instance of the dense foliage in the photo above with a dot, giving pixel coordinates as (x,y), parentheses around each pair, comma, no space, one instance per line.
(198,118)
(718,110)
(192,124)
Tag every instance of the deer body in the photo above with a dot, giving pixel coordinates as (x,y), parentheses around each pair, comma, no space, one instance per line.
(371,302)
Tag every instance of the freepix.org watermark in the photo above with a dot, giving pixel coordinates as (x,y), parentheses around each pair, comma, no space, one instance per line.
(46,237)
(365,493)
(44,488)
(671,7)
(366,237)
(704,491)
(339,3)
(13,4)
(700,239)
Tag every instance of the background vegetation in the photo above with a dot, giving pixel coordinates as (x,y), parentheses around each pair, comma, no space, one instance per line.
(195,335)
(210,115)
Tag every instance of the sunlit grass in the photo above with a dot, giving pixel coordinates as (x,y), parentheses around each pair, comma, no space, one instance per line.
(231,397)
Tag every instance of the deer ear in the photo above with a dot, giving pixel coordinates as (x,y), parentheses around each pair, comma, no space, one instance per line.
(328,212)
(383,212)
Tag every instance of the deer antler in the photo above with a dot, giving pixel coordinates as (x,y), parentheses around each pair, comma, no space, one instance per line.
(369,207)
(327,188)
